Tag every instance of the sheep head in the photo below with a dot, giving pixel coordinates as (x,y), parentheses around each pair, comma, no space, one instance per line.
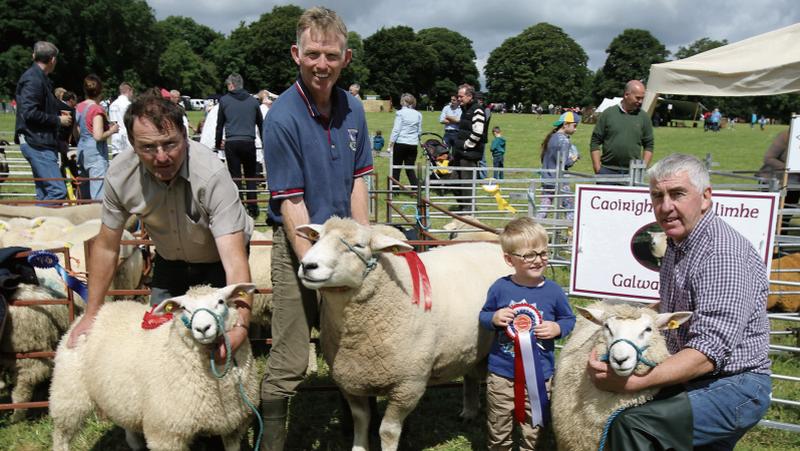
(629,331)
(200,308)
(658,244)
(343,253)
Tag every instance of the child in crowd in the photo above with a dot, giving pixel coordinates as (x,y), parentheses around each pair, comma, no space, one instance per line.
(498,152)
(377,141)
(557,145)
(524,244)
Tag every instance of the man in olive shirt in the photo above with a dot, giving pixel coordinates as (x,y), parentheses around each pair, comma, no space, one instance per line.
(189,206)
(622,131)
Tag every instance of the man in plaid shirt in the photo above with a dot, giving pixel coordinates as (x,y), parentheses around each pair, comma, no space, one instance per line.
(719,362)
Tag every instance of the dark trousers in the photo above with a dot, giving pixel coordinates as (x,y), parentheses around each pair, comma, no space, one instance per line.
(450,138)
(405,155)
(238,155)
(465,175)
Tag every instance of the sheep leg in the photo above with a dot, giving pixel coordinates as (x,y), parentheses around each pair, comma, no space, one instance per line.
(233,441)
(161,440)
(27,374)
(70,403)
(135,440)
(359,408)
(471,397)
(402,401)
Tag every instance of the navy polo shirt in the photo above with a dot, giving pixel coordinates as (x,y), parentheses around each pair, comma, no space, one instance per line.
(314,156)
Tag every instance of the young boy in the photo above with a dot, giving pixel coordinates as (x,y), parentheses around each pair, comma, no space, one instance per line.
(498,152)
(524,244)
(377,141)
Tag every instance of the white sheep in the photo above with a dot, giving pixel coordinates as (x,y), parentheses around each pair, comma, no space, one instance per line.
(658,244)
(376,341)
(579,409)
(157,382)
(74,214)
(459,231)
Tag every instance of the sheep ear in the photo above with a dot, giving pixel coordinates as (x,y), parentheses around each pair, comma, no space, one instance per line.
(384,243)
(236,290)
(170,305)
(672,320)
(311,232)
(594,315)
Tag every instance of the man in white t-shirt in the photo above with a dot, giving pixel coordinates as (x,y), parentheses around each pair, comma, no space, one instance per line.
(116,113)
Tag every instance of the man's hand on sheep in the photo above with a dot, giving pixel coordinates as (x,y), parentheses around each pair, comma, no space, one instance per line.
(237,335)
(82,328)
(547,330)
(503,317)
(604,378)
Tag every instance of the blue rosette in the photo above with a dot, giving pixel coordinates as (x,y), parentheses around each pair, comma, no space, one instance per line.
(45,259)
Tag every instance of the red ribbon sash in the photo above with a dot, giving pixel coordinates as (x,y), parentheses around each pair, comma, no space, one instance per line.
(151,321)
(418,272)
(519,383)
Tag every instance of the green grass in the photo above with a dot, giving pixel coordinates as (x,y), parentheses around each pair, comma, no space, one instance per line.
(434,425)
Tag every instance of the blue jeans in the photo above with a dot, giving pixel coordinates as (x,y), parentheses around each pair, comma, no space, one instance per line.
(727,407)
(93,163)
(44,164)
(497,162)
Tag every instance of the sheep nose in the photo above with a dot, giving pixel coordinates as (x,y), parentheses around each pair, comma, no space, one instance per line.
(619,361)
(203,329)
(309,266)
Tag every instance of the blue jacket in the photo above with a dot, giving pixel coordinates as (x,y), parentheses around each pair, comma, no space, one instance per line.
(238,115)
(37,109)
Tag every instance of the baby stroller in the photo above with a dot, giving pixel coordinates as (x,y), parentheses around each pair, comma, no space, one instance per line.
(439,158)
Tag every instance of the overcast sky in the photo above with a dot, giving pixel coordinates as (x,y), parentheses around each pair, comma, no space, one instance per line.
(592,23)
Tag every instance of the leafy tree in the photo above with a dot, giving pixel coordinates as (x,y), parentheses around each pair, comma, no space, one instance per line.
(699,46)
(356,71)
(178,28)
(455,62)
(181,67)
(540,63)
(629,58)
(399,62)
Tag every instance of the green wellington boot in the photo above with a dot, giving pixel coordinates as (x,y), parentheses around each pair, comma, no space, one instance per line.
(273,412)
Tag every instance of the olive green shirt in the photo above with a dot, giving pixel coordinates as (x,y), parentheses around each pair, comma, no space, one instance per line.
(184,216)
(623,136)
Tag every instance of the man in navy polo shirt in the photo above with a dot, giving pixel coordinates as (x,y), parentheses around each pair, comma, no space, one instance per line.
(317,151)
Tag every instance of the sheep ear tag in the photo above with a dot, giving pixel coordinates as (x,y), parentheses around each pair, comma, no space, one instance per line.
(527,370)
(45,259)
(152,320)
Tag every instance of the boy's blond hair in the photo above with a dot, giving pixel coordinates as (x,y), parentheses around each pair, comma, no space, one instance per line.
(522,234)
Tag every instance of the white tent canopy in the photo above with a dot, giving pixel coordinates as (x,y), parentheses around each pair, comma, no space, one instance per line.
(767,64)
(608,103)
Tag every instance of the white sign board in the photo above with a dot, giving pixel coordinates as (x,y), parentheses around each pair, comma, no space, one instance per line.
(611,250)
(793,155)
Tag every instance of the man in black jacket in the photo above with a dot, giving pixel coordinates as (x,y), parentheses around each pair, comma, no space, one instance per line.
(39,121)
(238,116)
(471,138)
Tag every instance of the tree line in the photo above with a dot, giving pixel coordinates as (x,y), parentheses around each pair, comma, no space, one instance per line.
(121,40)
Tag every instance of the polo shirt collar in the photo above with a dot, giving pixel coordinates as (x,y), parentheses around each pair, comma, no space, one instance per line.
(624,111)
(695,235)
(305,94)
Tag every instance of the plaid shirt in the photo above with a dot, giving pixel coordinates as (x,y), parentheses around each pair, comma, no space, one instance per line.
(717,274)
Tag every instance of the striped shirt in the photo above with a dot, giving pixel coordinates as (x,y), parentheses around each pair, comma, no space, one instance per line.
(718,275)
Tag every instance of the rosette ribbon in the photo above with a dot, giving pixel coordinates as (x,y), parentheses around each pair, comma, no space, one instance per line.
(418,275)
(527,371)
(502,204)
(45,259)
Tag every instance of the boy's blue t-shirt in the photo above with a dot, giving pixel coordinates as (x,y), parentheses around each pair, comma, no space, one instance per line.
(548,298)
(377,143)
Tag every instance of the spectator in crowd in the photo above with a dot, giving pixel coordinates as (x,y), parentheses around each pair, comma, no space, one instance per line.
(239,115)
(116,113)
(94,130)
(480,98)
(558,147)
(38,122)
(451,114)
(319,153)
(624,132)
(175,97)
(715,119)
(469,143)
(354,89)
(68,101)
(719,370)
(404,139)
(774,167)
(377,141)
(753,120)
(498,153)
(265,98)
(202,243)
(762,122)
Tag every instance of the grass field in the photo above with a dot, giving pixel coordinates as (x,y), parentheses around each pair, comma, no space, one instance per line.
(316,415)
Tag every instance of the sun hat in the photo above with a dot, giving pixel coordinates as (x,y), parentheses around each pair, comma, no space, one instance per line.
(568,117)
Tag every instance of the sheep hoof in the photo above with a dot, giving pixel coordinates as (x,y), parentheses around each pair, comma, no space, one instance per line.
(468,415)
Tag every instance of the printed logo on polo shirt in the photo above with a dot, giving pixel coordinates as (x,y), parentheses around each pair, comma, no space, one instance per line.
(353,132)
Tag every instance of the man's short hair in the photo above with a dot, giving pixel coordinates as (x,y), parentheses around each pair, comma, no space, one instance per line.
(125,87)
(629,85)
(675,163)
(522,234)
(236,80)
(468,89)
(59,92)
(92,86)
(44,51)
(323,20)
(161,112)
